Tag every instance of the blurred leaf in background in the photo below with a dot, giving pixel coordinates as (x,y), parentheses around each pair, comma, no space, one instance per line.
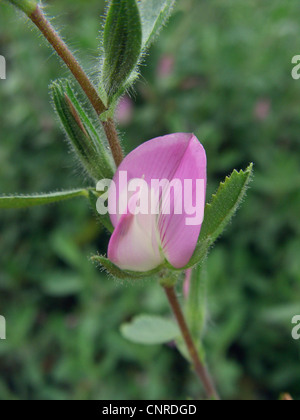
(222,70)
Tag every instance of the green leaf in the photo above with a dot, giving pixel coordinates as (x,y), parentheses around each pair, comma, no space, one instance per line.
(62,283)
(220,211)
(122,274)
(154,15)
(84,131)
(104,219)
(196,302)
(279,314)
(150,329)
(66,248)
(122,45)
(24,201)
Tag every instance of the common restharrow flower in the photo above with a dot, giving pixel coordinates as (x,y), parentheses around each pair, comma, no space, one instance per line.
(156,203)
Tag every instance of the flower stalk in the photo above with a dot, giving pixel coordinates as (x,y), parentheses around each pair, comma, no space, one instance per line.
(27,6)
(200,369)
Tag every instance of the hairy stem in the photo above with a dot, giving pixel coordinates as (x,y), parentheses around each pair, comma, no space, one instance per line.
(112,137)
(200,369)
(39,19)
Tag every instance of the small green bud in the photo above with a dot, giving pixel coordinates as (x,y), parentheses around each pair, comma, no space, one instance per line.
(85,137)
(27,6)
(122,44)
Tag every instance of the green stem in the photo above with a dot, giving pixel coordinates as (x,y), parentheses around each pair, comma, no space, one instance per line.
(41,22)
(200,369)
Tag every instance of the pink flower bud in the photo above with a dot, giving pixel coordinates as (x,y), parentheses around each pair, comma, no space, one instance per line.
(156,203)
(124,111)
(262,109)
(165,66)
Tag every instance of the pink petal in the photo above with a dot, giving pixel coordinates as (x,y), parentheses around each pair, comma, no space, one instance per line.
(155,159)
(178,239)
(173,157)
(133,245)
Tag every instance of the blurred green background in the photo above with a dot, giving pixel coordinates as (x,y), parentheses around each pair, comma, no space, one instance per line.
(222,70)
